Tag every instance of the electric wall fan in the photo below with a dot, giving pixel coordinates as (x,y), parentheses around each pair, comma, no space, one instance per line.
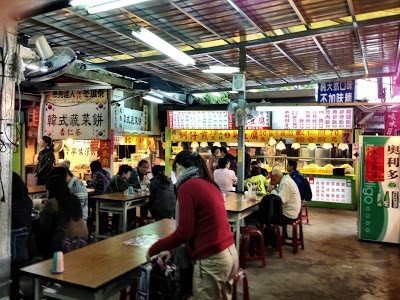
(43,62)
(242,111)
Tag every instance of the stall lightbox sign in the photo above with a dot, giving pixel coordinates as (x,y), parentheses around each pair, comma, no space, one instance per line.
(392,123)
(262,136)
(331,118)
(331,190)
(77,121)
(336,92)
(187,119)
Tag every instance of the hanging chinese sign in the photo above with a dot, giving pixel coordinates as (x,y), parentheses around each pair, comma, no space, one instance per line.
(133,120)
(374,163)
(336,92)
(262,136)
(117,118)
(76,96)
(105,153)
(79,121)
(392,123)
(331,118)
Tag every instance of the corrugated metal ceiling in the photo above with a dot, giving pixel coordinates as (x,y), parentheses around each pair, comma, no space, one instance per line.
(288,42)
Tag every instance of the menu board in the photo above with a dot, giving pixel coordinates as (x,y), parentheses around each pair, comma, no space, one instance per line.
(331,190)
(331,118)
(185,119)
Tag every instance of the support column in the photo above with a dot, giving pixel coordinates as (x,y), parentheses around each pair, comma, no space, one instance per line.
(8,40)
(241,127)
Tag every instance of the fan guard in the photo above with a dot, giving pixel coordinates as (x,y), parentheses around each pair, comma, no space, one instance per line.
(57,64)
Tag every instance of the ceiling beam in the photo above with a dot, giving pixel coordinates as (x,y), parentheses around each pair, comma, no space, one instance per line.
(323,51)
(357,33)
(263,41)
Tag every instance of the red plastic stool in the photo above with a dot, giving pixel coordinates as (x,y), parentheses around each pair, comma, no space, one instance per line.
(296,239)
(251,245)
(240,275)
(276,241)
(304,211)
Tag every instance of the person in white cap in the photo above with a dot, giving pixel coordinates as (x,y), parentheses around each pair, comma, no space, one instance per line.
(285,187)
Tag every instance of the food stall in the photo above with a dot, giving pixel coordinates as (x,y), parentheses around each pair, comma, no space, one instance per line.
(333,127)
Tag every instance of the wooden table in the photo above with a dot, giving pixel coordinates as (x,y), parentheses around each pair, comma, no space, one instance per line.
(118,203)
(96,268)
(37,189)
(41,189)
(239,207)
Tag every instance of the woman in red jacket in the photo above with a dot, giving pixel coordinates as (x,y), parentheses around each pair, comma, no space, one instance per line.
(202,224)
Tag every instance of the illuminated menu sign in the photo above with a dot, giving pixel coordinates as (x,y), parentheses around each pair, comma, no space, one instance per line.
(331,118)
(213,120)
(331,190)
(185,119)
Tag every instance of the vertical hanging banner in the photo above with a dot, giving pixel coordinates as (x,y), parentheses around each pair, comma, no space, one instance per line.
(336,92)
(392,123)
(374,163)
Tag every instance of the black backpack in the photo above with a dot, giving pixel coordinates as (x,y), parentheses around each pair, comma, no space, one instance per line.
(270,210)
(306,189)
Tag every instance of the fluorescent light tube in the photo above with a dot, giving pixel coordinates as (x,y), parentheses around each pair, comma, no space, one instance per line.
(290,108)
(220,70)
(152,99)
(159,44)
(110,5)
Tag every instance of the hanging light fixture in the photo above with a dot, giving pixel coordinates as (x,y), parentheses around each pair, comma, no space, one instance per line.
(280,146)
(343,146)
(327,146)
(296,146)
(159,44)
(218,144)
(194,144)
(311,146)
(203,144)
(271,141)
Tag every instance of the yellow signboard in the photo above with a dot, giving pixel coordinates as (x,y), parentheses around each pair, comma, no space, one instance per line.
(262,136)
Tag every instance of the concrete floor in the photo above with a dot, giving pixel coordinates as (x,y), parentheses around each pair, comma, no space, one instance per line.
(334,265)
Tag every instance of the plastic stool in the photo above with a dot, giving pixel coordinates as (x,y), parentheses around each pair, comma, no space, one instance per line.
(240,275)
(296,239)
(251,245)
(304,212)
(276,242)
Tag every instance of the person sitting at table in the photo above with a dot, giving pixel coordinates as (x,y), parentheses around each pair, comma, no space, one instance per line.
(230,157)
(119,182)
(162,199)
(256,178)
(100,178)
(202,224)
(61,218)
(285,187)
(22,245)
(257,163)
(75,186)
(224,177)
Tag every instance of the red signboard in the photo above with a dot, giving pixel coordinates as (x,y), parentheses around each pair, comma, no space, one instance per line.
(392,123)
(374,163)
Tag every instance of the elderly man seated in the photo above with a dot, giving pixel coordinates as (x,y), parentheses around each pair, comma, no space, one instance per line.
(285,187)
